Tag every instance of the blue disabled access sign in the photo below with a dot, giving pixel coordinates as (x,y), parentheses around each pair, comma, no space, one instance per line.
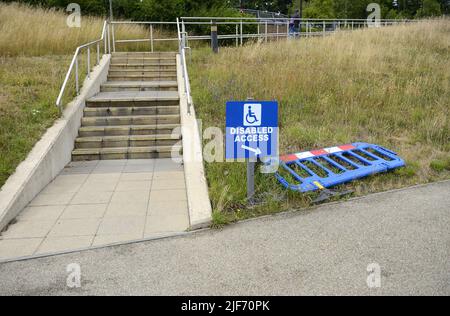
(251,129)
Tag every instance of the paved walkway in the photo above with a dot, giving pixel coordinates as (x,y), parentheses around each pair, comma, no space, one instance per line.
(101,202)
(322,251)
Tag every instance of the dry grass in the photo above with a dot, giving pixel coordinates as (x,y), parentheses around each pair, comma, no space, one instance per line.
(386,86)
(31,31)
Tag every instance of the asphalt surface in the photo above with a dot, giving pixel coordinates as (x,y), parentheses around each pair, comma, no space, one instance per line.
(323,251)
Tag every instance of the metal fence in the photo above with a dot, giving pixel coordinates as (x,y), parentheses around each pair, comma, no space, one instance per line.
(246,28)
(231,31)
(242,29)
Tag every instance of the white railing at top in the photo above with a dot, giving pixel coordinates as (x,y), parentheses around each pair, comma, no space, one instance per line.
(276,28)
(182,38)
(267,28)
(74,67)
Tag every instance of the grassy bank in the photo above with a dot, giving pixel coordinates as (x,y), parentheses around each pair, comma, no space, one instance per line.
(28,90)
(36,47)
(386,86)
(46,32)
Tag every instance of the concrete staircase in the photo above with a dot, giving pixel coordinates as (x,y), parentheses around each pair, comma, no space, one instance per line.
(136,111)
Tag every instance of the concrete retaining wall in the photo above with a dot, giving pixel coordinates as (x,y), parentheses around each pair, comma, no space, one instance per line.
(200,211)
(50,154)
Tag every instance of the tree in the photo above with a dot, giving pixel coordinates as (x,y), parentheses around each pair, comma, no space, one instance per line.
(429,8)
(317,9)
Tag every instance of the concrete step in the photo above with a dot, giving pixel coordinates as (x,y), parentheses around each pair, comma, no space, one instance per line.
(125,153)
(135,98)
(144,62)
(130,111)
(127,141)
(140,72)
(156,129)
(137,103)
(170,65)
(130,120)
(114,86)
(161,67)
(149,77)
(144,54)
(140,59)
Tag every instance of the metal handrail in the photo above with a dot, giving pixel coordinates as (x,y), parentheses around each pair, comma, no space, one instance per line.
(74,64)
(182,37)
(314,27)
(282,18)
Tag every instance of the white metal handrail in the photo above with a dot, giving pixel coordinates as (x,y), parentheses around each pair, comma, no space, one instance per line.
(182,37)
(74,64)
(186,18)
(152,40)
(269,28)
(282,25)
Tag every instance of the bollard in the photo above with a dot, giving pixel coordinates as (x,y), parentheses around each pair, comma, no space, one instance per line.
(214,38)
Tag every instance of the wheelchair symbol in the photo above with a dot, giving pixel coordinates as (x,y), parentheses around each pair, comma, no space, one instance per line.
(252,115)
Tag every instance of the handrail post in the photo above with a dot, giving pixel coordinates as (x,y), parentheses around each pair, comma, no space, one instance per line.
(237,35)
(77,86)
(113,37)
(242,33)
(109,38)
(259,29)
(89,62)
(151,37)
(106,39)
(183,35)
(287,29)
(98,53)
(266,31)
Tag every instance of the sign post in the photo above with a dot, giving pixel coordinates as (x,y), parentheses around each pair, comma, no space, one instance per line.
(251,133)
(250,180)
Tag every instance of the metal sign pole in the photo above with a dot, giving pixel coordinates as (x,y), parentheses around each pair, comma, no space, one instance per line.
(250,180)
(250,176)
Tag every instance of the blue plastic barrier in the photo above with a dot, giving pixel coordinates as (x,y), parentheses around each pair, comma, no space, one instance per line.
(325,168)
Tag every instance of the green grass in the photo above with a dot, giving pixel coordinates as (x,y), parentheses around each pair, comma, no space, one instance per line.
(28,90)
(387,86)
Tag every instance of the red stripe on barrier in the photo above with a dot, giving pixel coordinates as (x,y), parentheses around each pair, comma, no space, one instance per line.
(289,158)
(318,152)
(347,147)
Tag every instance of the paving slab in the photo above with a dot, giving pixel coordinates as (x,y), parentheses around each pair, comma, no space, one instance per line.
(55,244)
(84,211)
(42,213)
(15,248)
(122,225)
(46,199)
(98,203)
(141,176)
(75,227)
(28,229)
